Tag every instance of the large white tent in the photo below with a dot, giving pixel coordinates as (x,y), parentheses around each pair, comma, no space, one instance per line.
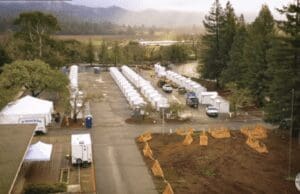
(133,97)
(39,152)
(27,110)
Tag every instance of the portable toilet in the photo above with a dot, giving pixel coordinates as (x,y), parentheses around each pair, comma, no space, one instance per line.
(88,121)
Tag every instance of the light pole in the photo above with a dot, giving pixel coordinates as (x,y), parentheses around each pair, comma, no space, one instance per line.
(291,134)
(163,121)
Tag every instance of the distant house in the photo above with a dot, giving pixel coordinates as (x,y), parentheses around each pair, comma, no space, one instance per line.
(158,43)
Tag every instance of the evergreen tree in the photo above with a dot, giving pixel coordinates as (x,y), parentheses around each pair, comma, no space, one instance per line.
(235,70)
(4,58)
(239,97)
(285,69)
(90,54)
(258,43)
(210,52)
(228,32)
(176,53)
(116,53)
(103,54)
(221,29)
(133,53)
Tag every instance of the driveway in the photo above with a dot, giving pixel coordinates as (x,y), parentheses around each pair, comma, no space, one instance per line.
(119,166)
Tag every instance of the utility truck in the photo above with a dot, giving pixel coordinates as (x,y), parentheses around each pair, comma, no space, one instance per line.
(191,99)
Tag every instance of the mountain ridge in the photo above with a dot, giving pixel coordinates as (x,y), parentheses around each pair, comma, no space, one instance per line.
(114,14)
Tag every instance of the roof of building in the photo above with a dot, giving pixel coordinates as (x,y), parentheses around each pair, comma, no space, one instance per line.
(78,139)
(14,142)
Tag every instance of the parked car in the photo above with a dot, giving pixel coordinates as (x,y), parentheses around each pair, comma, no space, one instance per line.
(212,111)
(167,88)
(174,85)
(181,90)
(285,124)
(192,100)
(161,83)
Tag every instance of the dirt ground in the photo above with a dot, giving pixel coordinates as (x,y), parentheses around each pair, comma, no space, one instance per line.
(225,165)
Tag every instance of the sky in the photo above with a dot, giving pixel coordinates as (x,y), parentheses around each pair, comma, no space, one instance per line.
(240,6)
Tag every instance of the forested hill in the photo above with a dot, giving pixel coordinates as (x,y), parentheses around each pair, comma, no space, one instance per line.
(68,13)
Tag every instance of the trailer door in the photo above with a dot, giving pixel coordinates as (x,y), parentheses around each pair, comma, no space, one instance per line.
(84,153)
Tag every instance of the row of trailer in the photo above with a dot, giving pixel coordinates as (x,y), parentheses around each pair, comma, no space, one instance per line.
(204,97)
(73,77)
(158,101)
(76,95)
(133,97)
(77,98)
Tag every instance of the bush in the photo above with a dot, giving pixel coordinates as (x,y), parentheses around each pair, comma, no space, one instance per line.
(45,188)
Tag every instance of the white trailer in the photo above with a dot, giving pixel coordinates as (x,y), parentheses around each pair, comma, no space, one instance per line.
(81,149)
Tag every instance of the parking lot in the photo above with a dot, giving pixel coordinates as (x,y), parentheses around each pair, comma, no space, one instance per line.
(198,115)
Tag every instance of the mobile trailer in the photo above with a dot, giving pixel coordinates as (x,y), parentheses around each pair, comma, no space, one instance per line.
(81,149)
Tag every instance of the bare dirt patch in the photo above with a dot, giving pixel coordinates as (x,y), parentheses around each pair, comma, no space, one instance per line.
(225,165)
(79,124)
(140,121)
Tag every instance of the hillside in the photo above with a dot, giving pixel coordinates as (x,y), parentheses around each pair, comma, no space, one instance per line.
(116,15)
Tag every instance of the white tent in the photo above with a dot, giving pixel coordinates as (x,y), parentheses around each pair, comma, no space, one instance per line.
(132,96)
(73,76)
(27,110)
(39,152)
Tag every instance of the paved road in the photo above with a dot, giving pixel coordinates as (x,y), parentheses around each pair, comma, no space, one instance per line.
(119,166)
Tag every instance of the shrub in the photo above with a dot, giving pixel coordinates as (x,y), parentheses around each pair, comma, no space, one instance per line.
(45,188)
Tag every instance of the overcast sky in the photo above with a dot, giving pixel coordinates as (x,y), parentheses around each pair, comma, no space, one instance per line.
(183,5)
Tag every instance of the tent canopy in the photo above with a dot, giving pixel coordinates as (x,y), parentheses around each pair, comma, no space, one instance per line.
(26,107)
(39,152)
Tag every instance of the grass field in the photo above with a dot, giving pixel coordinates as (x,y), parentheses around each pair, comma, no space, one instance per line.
(97,39)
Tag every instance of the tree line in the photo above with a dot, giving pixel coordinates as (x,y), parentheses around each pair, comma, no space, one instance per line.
(33,38)
(31,57)
(260,58)
(69,26)
(131,52)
